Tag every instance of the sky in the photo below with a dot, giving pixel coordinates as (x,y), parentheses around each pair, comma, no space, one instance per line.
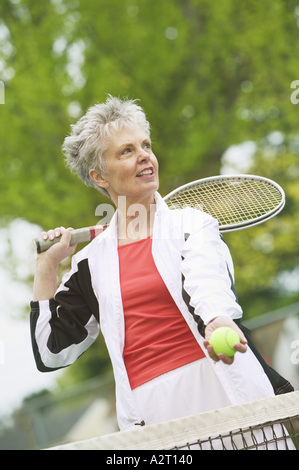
(18,374)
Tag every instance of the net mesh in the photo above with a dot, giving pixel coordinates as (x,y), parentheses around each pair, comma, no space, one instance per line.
(231,201)
(267,424)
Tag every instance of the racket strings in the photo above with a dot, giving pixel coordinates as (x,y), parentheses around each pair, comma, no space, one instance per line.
(230,202)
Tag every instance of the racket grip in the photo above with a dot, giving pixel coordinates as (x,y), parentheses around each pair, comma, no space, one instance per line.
(80,235)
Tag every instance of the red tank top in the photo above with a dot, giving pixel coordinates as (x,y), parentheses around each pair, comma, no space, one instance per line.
(157,337)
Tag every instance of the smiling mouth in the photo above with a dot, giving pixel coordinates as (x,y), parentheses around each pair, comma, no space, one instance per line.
(147,172)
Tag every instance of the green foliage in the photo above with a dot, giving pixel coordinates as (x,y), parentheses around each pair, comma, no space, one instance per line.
(208,74)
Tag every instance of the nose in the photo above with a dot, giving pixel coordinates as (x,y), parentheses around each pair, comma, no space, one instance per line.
(143,154)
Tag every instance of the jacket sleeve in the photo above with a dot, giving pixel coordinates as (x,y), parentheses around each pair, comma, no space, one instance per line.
(207,270)
(64,327)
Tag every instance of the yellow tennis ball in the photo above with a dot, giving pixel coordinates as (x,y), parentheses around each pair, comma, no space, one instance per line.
(223,340)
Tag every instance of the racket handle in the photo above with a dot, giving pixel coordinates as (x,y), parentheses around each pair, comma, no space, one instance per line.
(80,235)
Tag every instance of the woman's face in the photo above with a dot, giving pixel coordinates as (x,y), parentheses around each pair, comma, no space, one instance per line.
(132,168)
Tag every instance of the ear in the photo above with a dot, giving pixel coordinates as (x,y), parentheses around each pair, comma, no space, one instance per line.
(98,178)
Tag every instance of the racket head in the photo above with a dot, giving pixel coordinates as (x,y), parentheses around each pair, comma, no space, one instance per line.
(236,201)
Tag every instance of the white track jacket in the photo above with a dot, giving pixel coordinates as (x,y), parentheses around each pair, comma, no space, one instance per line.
(197,268)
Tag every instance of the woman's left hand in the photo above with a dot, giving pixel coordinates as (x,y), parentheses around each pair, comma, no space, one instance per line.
(216,323)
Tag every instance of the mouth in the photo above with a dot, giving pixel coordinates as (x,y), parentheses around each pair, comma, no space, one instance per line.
(146,173)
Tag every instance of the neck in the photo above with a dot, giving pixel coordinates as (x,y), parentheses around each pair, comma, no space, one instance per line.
(135,219)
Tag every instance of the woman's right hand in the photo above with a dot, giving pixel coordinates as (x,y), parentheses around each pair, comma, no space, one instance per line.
(45,279)
(56,253)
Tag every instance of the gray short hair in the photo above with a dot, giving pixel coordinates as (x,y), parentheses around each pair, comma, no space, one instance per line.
(84,147)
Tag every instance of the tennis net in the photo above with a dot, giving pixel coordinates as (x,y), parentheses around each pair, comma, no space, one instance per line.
(267,424)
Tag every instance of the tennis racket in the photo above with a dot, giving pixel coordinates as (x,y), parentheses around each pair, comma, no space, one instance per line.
(237,202)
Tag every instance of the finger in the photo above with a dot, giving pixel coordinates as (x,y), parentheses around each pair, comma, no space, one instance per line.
(65,235)
(56,232)
(240,347)
(226,359)
(51,234)
(66,238)
(242,337)
(211,352)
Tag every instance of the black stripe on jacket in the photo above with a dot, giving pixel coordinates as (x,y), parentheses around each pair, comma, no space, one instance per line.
(71,309)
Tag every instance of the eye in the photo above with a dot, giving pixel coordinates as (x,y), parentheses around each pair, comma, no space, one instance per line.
(126,150)
(147,145)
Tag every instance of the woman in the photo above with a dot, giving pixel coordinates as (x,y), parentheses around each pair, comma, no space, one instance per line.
(157,289)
